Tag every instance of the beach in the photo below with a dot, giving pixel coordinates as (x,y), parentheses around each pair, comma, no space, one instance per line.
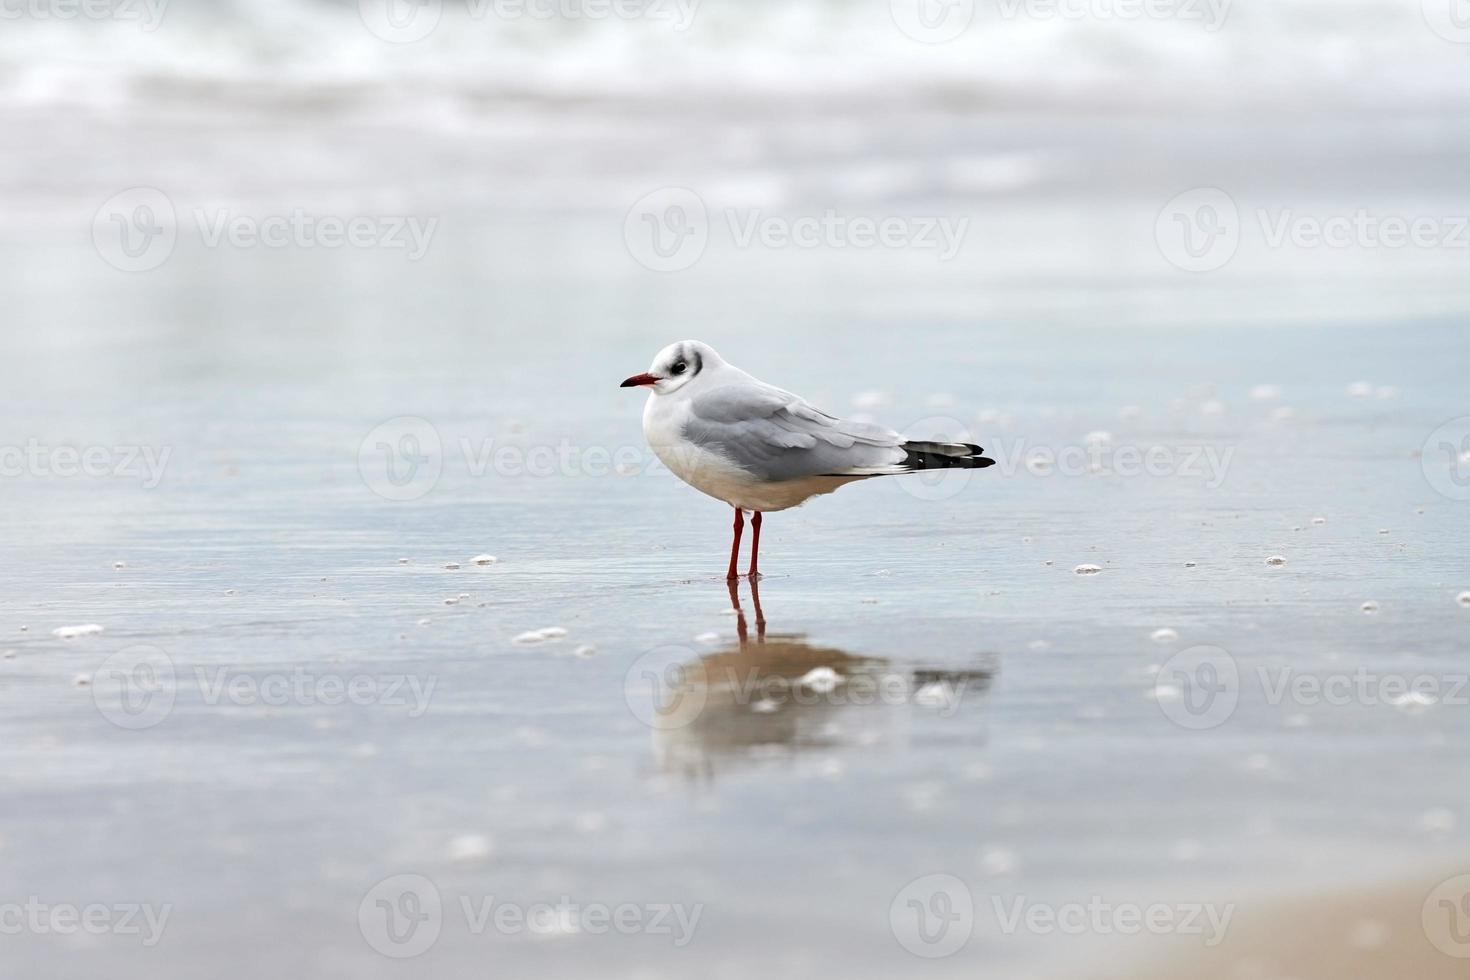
(1197,642)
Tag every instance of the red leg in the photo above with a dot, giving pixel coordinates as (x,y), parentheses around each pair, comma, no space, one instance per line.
(740,628)
(735,545)
(755,542)
(760,617)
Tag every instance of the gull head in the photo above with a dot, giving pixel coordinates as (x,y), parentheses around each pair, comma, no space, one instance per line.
(675,366)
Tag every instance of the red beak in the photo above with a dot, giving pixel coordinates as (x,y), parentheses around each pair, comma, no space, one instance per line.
(638,380)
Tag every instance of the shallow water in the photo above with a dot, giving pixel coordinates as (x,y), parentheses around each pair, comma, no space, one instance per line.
(265,553)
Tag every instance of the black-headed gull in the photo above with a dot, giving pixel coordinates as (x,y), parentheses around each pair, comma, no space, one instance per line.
(759,448)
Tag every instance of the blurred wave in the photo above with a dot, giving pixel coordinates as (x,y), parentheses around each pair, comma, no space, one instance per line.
(318,55)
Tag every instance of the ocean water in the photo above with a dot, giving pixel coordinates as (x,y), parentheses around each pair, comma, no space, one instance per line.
(1044,767)
(285,443)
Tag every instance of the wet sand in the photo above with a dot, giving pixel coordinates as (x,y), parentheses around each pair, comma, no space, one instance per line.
(1349,934)
(270,545)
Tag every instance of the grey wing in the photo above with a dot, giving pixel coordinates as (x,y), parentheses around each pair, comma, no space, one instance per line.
(774,435)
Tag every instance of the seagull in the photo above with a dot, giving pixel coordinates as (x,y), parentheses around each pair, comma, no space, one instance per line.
(759,448)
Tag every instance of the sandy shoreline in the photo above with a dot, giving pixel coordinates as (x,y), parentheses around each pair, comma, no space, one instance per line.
(1403,930)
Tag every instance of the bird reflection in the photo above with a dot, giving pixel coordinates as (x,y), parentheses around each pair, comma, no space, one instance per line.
(774,696)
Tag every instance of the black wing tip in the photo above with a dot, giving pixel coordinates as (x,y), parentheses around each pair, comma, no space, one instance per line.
(945,455)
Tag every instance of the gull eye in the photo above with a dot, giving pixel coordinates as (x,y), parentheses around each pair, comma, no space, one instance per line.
(680,367)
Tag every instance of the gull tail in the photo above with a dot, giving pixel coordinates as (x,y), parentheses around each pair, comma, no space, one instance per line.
(926,456)
(943,456)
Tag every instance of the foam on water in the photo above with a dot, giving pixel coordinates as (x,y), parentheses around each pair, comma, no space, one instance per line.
(72,632)
(823,680)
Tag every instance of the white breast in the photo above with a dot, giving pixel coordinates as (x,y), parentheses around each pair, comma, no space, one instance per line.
(713,474)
